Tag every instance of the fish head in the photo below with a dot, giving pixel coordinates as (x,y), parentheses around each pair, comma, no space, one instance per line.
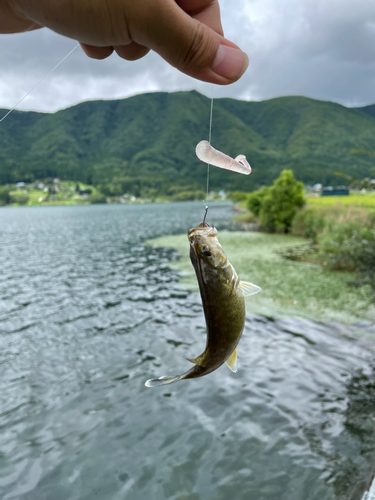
(205,247)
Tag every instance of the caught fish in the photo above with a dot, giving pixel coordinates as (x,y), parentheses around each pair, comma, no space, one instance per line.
(223,302)
(212,156)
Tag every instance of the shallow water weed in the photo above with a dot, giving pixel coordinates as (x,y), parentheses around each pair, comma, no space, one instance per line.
(288,288)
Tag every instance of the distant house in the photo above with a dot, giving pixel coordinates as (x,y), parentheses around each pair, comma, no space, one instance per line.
(335,191)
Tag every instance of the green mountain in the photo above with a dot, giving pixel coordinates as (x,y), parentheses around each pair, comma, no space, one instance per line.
(148,142)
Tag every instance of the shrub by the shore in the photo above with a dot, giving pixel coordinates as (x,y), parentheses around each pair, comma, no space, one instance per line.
(342,233)
(4,196)
(345,238)
(276,205)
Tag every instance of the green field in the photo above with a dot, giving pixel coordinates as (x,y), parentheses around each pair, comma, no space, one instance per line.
(356,206)
(366,200)
(288,288)
(64,193)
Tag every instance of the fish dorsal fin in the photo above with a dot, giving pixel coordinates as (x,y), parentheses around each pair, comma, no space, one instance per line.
(231,362)
(248,288)
(199,360)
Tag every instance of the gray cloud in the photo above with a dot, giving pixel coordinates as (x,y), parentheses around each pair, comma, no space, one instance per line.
(316,48)
(321,49)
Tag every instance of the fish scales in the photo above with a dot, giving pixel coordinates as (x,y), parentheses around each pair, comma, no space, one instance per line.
(222,297)
(223,302)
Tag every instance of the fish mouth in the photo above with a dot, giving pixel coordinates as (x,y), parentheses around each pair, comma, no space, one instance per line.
(203,230)
(202,225)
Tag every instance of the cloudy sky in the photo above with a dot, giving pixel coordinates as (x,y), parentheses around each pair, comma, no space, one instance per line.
(318,48)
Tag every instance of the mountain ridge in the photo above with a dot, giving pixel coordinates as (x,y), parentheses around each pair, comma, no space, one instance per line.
(148,141)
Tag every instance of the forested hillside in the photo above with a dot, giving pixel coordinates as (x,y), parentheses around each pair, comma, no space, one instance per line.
(148,142)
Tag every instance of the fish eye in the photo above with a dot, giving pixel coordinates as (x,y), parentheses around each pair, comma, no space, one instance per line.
(206,251)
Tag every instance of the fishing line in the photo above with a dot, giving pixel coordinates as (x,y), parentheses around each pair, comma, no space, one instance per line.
(210,135)
(35,86)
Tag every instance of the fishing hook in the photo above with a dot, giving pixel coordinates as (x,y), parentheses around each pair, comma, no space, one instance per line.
(205,214)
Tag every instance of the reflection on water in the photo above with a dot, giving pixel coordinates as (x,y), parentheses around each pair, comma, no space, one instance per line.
(88,313)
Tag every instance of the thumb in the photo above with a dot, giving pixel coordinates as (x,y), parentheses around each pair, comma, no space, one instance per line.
(191,46)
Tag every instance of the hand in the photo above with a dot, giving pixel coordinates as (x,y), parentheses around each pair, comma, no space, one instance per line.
(186,33)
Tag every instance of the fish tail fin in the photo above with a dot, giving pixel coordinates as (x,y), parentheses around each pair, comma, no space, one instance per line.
(156,382)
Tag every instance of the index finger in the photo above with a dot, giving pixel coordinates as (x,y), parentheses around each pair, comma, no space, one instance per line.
(204,11)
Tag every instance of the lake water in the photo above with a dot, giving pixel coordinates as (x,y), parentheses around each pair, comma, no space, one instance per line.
(89,312)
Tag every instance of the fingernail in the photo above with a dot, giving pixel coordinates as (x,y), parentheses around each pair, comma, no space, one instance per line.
(230,63)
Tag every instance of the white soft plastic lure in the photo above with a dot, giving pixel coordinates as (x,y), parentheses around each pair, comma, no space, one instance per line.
(212,156)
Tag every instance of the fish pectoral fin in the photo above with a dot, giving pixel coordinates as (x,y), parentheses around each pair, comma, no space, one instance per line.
(248,288)
(199,360)
(231,362)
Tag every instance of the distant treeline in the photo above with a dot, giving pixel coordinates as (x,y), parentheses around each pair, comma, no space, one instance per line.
(145,144)
(50,191)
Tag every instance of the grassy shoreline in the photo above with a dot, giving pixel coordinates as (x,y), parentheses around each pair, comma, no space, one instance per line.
(288,288)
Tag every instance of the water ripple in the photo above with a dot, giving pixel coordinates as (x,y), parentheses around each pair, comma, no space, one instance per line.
(88,312)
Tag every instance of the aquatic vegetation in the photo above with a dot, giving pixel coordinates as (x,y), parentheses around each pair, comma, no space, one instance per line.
(288,287)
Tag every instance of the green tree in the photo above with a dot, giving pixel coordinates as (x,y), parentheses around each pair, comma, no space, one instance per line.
(19,198)
(276,205)
(4,196)
(255,200)
(97,197)
(238,196)
(281,202)
(189,196)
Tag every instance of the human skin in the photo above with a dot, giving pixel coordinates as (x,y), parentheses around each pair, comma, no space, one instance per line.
(186,33)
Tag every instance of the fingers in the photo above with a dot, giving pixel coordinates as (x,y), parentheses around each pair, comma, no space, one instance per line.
(12,22)
(186,33)
(132,51)
(96,52)
(204,11)
(189,45)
